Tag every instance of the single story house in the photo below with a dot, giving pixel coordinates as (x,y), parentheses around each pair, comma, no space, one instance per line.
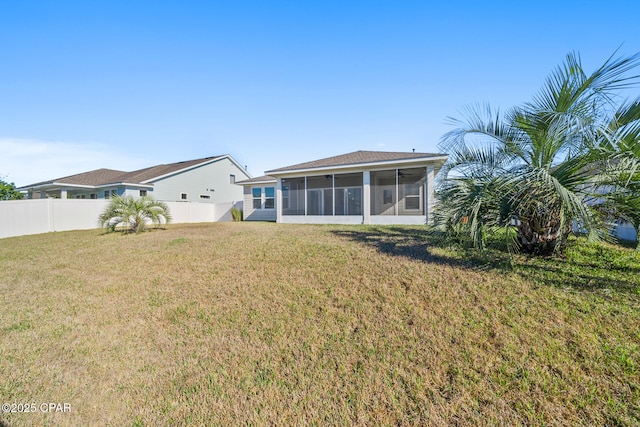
(363,187)
(206,180)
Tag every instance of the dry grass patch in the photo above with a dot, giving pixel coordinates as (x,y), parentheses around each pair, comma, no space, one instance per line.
(241,323)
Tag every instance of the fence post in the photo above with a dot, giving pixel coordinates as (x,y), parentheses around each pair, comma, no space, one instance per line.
(50,214)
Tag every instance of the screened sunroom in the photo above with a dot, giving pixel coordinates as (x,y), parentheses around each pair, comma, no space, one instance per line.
(398,192)
(364,187)
(322,195)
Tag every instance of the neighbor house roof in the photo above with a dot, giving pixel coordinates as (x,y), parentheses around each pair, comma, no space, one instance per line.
(257,180)
(142,177)
(155,172)
(91,178)
(359,158)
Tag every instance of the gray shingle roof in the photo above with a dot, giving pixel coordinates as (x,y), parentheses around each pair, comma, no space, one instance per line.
(94,177)
(110,176)
(355,158)
(152,172)
(263,178)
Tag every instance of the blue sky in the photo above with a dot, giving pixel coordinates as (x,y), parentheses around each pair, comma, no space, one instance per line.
(129,84)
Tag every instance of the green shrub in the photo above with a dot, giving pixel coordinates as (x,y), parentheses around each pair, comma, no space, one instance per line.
(236,214)
(134,213)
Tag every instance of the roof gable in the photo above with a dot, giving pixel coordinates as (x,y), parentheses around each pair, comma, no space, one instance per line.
(154,172)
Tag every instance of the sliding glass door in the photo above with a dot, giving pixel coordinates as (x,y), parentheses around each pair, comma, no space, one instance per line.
(349,201)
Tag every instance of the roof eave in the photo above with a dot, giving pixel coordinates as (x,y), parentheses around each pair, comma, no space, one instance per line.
(430,159)
(54,184)
(126,184)
(82,186)
(262,181)
(32,187)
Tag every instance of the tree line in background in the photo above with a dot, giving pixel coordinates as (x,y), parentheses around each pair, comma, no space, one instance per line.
(8,191)
(567,161)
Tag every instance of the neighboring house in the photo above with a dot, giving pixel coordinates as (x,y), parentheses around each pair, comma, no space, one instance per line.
(207,180)
(363,187)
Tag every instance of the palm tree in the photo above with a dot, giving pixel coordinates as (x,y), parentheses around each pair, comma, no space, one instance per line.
(624,200)
(545,167)
(134,213)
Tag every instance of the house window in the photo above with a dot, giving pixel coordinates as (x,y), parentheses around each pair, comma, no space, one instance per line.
(205,196)
(183,196)
(387,197)
(106,194)
(411,183)
(232,179)
(269,197)
(256,193)
(143,193)
(412,196)
(114,193)
(93,196)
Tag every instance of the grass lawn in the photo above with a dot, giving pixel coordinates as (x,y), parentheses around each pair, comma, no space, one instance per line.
(256,323)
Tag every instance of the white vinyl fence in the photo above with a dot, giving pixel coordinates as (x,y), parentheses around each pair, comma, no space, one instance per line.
(22,217)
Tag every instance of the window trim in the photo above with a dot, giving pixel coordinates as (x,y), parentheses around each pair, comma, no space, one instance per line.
(269,198)
(256,197)
(260,202)
(413,197)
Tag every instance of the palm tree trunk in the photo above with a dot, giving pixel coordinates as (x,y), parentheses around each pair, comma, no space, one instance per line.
(539,239)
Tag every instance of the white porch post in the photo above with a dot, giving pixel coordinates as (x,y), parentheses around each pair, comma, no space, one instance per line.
(431,194)
(396,205)
(333,194)
(279,200)
(366,197)
(63,193)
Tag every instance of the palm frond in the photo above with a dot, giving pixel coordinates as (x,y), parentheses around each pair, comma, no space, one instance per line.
(549,164)
(134,213)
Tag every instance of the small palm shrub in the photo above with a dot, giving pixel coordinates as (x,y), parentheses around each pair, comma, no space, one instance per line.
(134,213)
